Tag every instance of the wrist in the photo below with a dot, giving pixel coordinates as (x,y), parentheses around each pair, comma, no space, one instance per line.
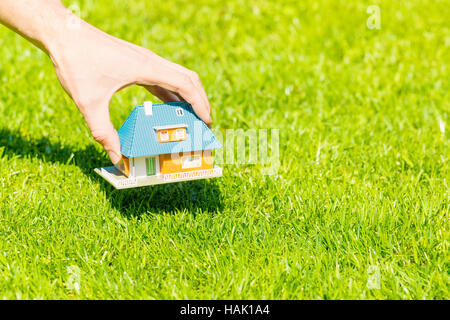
(59,24)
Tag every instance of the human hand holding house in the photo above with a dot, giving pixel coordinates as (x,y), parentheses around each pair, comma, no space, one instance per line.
(92,65)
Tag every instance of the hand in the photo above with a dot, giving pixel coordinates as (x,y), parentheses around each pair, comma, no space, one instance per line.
(92,65)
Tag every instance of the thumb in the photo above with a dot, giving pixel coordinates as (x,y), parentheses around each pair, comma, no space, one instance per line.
(103,132)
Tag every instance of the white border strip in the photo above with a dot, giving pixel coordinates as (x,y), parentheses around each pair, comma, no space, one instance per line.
(193,174)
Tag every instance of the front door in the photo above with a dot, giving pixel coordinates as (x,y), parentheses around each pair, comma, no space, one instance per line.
(150,164)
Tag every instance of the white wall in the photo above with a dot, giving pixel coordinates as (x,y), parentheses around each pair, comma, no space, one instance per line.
(140,169)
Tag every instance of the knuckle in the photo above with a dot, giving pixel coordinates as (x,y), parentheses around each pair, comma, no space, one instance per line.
(194,76)
(186,83)
(187,79)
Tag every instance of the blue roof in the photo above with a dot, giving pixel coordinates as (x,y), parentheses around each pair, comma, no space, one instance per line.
(138,136)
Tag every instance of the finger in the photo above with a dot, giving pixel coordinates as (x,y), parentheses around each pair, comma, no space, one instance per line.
(183,82)
(197,83)
(195,78)
(186,87)
(198,104)
(201,90)
(103,131)
(163,94)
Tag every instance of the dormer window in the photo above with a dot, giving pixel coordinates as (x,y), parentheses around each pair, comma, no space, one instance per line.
(179,112)
(170,133)
(164,135)
(180,133)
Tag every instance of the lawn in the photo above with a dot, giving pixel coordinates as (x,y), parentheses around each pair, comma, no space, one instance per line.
(359,207)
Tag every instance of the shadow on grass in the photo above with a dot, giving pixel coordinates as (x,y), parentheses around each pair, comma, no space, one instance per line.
(201,195)
(192,196)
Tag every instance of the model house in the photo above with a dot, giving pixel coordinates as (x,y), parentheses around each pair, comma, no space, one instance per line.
(162,143)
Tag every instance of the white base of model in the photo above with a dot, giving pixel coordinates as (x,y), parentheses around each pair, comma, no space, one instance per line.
(121,181)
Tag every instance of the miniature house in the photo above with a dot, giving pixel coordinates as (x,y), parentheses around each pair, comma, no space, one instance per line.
(162,143)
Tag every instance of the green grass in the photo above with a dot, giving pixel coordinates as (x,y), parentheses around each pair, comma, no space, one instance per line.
(363,183)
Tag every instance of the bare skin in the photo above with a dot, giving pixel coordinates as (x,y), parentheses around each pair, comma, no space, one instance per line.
(92,65)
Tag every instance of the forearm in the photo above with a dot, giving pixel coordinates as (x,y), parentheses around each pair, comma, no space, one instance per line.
(39,21)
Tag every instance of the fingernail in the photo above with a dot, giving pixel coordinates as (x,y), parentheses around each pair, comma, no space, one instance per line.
(115,158)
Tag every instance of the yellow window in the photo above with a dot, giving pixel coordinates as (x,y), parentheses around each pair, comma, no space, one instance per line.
(171,134)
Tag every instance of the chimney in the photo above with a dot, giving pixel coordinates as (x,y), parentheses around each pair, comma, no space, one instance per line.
(148,108)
